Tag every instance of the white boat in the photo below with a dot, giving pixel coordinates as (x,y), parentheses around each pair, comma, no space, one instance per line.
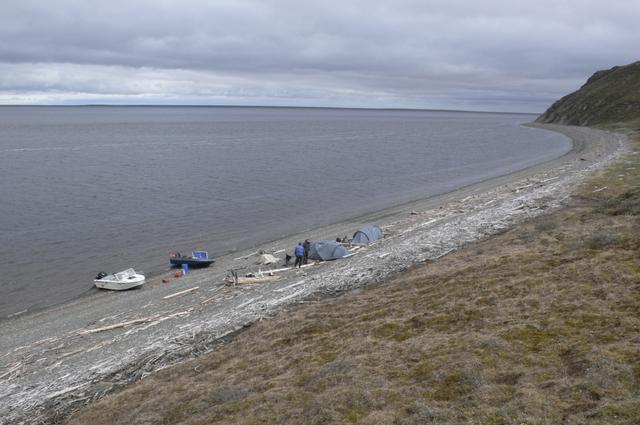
(119,281)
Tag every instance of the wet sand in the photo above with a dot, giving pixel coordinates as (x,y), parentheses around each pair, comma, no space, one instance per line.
(49,365)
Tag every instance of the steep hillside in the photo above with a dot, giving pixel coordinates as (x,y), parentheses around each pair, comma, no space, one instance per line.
(608,96)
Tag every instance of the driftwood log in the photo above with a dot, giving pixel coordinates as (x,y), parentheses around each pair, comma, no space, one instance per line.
(117,325)
(177,294)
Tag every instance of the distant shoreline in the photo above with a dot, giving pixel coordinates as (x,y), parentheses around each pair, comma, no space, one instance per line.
(108,105)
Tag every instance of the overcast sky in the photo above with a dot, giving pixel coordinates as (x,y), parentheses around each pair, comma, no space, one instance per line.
(495,55)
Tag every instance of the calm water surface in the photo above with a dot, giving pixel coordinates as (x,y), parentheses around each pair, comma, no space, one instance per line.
(85,189)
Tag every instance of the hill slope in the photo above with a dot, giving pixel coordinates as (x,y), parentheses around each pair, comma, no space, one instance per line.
(608,96)
(539,325)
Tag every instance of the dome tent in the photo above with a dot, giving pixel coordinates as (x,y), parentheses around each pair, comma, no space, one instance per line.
(326,250)
(367,234)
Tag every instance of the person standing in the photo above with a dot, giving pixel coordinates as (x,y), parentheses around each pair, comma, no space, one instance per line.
(299,251)
(306,246)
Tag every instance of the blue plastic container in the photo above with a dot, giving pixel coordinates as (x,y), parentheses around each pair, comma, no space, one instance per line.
(185,268)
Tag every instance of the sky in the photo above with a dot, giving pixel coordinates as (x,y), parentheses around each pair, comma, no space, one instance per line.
(489,55)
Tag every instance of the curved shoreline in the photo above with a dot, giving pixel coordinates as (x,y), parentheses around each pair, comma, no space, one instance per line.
(49,364)
(355,219)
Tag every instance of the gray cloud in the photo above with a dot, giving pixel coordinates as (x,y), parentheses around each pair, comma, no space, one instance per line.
(495,54)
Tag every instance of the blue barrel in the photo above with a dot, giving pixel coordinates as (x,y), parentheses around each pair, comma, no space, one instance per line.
(185,268)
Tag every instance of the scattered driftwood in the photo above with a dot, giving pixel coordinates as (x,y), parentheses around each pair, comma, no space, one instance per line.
(232,277)
(117,325)
(279,270)
(177,294)
(293,285)
(235,280)
(284,269)
(246,256)
(71,353)
(267,259)
(12,370)
(246,303)
(599,190)
(518,189)
(208,300)
(215,297)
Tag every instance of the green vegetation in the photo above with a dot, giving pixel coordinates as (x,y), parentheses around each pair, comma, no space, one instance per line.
(538,325)
(608,96)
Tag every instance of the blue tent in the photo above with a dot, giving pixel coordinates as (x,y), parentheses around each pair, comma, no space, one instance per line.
(367,234)
(326,250)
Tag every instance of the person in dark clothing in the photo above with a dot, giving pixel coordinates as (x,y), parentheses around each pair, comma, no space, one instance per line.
(299,251)
(306,246)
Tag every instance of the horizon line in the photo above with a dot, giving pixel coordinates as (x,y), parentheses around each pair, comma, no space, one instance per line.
(259,106)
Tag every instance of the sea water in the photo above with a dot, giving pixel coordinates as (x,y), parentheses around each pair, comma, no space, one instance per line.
(98,188)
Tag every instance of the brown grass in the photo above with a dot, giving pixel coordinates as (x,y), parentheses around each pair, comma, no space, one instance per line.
(540,325)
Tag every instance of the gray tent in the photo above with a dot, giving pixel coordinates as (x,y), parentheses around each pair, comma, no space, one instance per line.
(326,250)
(367,234)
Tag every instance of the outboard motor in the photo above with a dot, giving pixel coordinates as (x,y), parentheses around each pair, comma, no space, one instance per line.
(101,275)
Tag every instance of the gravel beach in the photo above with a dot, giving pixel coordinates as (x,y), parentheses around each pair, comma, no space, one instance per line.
(55,361)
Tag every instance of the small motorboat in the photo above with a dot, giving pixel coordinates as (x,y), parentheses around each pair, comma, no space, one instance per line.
(126,279)
(196,259)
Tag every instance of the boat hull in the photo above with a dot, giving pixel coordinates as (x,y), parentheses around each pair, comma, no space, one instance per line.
(192,262)
(133,282)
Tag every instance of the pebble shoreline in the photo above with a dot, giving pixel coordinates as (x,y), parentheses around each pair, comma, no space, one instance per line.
(50,365)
